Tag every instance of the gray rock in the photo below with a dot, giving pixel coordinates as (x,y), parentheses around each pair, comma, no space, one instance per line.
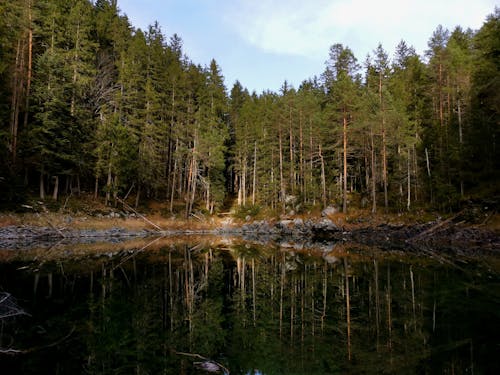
(330,210)
(325,225)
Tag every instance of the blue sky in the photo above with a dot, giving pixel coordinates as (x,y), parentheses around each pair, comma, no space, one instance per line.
(262,43)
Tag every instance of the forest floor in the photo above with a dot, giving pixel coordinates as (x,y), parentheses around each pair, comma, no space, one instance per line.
(474,228)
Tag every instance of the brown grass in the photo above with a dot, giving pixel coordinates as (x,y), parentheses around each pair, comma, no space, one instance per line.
(57,220)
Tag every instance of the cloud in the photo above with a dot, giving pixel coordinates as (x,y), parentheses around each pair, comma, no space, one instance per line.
(308,28)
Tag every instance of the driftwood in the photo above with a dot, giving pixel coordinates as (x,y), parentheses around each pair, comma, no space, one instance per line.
(207,364)
(25,351)
(8,307)
(138,214)
(434,228)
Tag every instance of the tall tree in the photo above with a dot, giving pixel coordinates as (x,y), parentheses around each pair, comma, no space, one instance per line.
(342,84)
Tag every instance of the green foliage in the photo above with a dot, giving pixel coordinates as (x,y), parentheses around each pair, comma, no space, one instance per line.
(104,102)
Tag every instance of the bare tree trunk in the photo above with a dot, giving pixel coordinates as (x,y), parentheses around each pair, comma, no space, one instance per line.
(174,174)
(15,100)
(292,164)
(311,158)
(42,185)
(75,70)
(96,187)
(428,171)
(302,185)
(384,166)
(344,193)
(244,181)
(282,181)
(460,139)
(408,198)
(108,184)
(254,182)
(30,64)
(56,188)
(384,151)
(323,178)
(374,178)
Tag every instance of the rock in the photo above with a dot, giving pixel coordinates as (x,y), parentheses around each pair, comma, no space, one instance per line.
(328,211)
(325,225)
(298,222)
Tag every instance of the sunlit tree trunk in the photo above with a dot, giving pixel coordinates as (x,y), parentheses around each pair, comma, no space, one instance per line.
(323,176)
(55,192)
(282,180)
(254,179)
(373,169)
(344,190)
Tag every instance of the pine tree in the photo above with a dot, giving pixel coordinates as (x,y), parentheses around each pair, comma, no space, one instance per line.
(342,83)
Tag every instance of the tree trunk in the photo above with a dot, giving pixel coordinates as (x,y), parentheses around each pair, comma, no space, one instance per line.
(108,185)
(302,185)
(15,100)
(42,185)
(282,181)
(344,193)
(460,140)
(30,64)
(254,182)
(374,178)
(408,198)
(56,188)
(138,196)
(384,152)
(96,187)
(384,166)
(311,160)
(174,174)
(75,70)
(323,178)
(292,166)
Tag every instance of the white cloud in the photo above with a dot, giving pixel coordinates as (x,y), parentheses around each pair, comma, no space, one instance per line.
(309,27)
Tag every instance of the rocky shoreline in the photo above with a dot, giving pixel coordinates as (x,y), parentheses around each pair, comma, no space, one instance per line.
(442,235)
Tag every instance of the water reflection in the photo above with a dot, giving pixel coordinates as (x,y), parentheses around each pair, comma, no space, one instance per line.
(227,306)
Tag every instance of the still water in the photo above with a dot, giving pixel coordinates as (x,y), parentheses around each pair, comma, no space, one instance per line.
(201,306)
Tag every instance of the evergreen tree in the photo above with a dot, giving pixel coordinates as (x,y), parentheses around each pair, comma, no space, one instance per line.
(342,84)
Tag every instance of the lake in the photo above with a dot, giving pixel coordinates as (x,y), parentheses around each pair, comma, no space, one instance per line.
(201,305)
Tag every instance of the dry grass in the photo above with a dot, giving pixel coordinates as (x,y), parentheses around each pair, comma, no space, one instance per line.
(57,220)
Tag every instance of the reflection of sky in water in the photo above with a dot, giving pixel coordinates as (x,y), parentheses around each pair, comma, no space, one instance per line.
(255,372)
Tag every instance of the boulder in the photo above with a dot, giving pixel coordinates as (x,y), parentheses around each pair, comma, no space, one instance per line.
(328,211)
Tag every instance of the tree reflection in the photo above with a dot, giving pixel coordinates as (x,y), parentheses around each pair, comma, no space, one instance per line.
(257,310)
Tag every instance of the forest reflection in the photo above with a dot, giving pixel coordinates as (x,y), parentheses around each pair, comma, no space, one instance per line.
(176,308)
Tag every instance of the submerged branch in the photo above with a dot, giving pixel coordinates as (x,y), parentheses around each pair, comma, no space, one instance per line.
(207,364)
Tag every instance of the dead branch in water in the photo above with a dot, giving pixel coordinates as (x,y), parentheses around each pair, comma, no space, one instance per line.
(205,359)
(125,205)
(17,351)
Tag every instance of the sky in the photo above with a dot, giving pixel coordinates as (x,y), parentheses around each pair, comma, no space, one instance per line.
(262,43)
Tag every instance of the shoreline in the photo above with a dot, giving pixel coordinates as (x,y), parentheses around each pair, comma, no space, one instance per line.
(439,235)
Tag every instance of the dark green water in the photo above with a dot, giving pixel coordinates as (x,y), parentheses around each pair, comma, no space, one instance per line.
(252,309)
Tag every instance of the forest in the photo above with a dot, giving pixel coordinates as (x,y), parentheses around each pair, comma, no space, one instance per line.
(90,104)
